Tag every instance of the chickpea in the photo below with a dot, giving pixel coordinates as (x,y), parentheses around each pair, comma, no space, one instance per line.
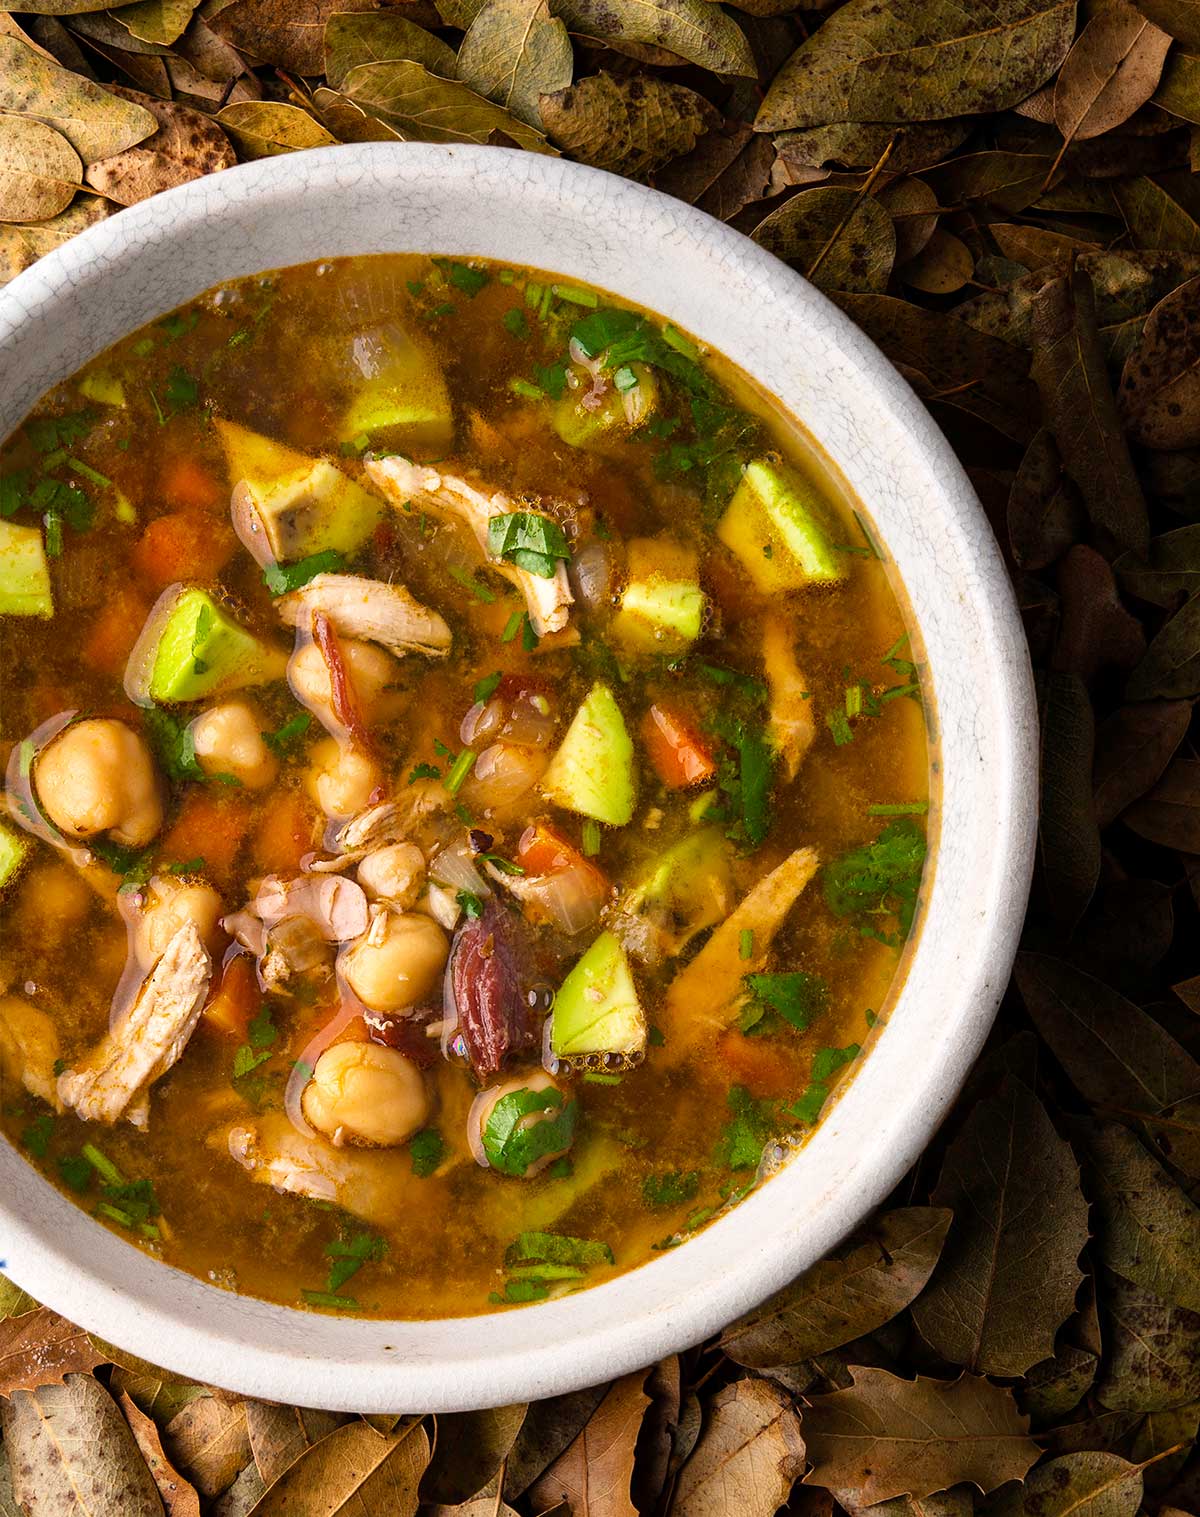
(169,904)
(394,874)
(398,962)
(228,740)
(52,901)
(480,1114)
(371,671)
(366,1094)
(98,776)
(342,778)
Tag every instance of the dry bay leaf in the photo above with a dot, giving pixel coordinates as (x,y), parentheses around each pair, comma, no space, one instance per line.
(39,1348)
(594,1472)
(1068,838)
(699,32)
(280,1434)
(96,122)
(629,127)
(264,128)
(186,146)
(1044,514)
(1156,215)
(840,239)
(349,122)
(548,1428)
(1088,1484)
(179,1497)
(514,53)
(470,1448)
(160,21)
(942,266)
(1181,18)
(1170,813)
(1111,71)
(14,1302)
(1160,385)
(354,1472)
(888,1437)
(287,33)
(747,1457)
(1171,667)
(39,170)
(1153,1359)
(1133,748)
(209,1443)
(422,106)
(354,37)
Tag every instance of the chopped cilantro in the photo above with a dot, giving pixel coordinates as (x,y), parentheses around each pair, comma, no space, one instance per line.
(423,772)
(284,738)
(670,1187)
(529,540)
(348,1255)
(280,578)
(796,997)
(827,1060)
(468,581)
(38,1135)
(488,686)
(426,1150)
(173,744)
(747,1132)
(513,1149)
(181,389)
(516,323)
(76,1171)
(879,880)
(470,904)
(470,281)
(557,1248)
(519,1290)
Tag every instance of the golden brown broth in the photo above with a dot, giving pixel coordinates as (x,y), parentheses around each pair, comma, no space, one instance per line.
(270,353)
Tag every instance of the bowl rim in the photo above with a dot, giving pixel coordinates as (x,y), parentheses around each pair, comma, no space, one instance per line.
(157,1312)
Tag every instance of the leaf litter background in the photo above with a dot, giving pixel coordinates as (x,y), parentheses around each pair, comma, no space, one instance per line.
(1002,194)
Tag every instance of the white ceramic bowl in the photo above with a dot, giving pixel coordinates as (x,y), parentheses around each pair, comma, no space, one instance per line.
(710,280)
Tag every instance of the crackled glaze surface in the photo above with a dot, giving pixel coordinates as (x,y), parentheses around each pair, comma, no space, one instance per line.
(591,226)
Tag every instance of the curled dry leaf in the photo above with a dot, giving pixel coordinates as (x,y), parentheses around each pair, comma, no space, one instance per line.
(1170,813)
(263,128)
(748,1456)
(728,169)
(287,33)
(1158,215)
(407,96)
(692,29)
(1044,511)
(913,207)
(39,1348)
(1171,667)
(594,1472)
(187,145)
(354,37)
(354,1472)
(280,1434)
(158,21)
(864,1284)
(842,240)
(629,126)
(39,170)
(1160,386)
(208,1441)
(65,1440)
(96,122)
(860,144)
(469,1450)
(548,1428)
(1152,1363)
(1096,633)
(349,122)
(180,1498)
(1133,748)
(514,53)
(1111,71)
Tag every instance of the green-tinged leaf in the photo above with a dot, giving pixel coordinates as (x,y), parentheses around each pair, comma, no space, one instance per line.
(1171,667)
(918,60)
(1180,18)
(1068,838)
(187,145)
(861,144)
(1158,215)
(349,122)
(1008,181)
(96,122)
(1152,1360)
(159,21)
(838,238)
(1170,813)
(1057,1385)
(471,1447)
(1160,385)
(628,126)
(888,1437)
(263,128)
(14,1302)
(748,1456)
(39,170)
(354,37)
(514,53)
(1179,87)
(1075,1485)
(864,1284)
(699,32)
(422,106)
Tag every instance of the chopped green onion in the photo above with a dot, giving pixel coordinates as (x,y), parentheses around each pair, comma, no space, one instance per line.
(488,686)
(103,1165)
(88,472)
(906,808)
(527,389)
(327,1298)
(674,338)
(836,721)
(746,943)
(469,582)
(591,837)
(456,776)
(598,1077)
(854,700)
(114,1214)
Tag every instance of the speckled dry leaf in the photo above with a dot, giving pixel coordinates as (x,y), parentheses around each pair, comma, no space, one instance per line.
(209,1443)
(1068,366)
(354,37)
(1153,1350)
(8,1502)
(839,238)
(179,1496)
(860,144)
(469,1449)
(1160,386)
(692,29)
(1179,88)
(628,126)
(659,1436)
(1007,181)
(159,21)
(728,168)
(858,1288)
(749,1455)
(280,1434)
(39,1348)
(154,1391)
(1044,514)
(96,122)
(349,122)
(918,60)
(1147,1229)
(264,128)
(73,1455)
(943,266)
(1111,71)
(1037,248)
(483,1506)
(1077,1485)
(1180,18)
(430,109)
(287,33)
(548,1428)
(514,53)
(593,1473)
(186,146)
(891,1437)
(913,207)
(242,1496)
(958,1502)
(1009,1272)
(1133,748)
(1055,1386)
(1156,216)
(354,1472)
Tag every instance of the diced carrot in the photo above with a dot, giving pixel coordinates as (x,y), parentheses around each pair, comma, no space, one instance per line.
(211,825)
(184,545)
(755,1064)
(235,1000)
(115,629)
(289,829)
(193,485)
(675,748)
(542,849)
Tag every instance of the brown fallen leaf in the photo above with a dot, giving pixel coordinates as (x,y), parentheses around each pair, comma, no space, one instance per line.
(1152,1360)
(349,122)
(943,266)
(593,1474)
(263,128)
(838,238)
(469,1450)
(354,37)
(186,146)
(859,144)
(1093,1483)
(65,1440)
(160,21)
(1157,214)
(96,122)
(154,1391)
(287,33)
(748,1457)
(1097,632)
(354,1472)
(1171,667)
(208,1441)
(1039,248)
(548,1428)
(890,1437)
(179,1497)
(862,1285)
(659,1434)
(1111,71)
(629,127)
(280,1434)
(1133,748)
(727,169)
(1160,385)
(39,1348)
(1068,838)
(1045,514)
(514,53)
(39,170)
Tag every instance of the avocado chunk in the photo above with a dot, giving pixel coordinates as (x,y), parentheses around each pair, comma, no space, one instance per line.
(685,891)
(24,574)
(198,650)
(13,849)
(597,1009)
(662,608)
(778,526)
(305,504)
(404,400)
(592,772)
(631,400)
(103,388)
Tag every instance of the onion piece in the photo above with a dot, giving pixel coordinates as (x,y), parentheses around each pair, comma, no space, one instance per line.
(248,524)
(570,899)
(454,868)
(139,666)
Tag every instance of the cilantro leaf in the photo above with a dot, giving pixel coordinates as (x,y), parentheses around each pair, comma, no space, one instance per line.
(879,880)
(426,1149)
(670,1187)
(280,578)
(529,540)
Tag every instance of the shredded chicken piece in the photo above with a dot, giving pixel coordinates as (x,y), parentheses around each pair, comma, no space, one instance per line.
(790,723)
(336,907)
(403,482)
(29,1047)
(372,1185)
(113,1081)
(371,611)
(706,991)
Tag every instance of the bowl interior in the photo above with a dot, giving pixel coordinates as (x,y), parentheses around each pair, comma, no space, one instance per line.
(594,228)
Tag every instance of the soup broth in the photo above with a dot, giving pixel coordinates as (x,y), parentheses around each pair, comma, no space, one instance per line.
(466,786)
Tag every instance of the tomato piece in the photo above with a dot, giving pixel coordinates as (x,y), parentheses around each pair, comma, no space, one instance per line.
(184,545)
(542,849)
(236,999)
(188,483)
(675,748)
(211,825)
